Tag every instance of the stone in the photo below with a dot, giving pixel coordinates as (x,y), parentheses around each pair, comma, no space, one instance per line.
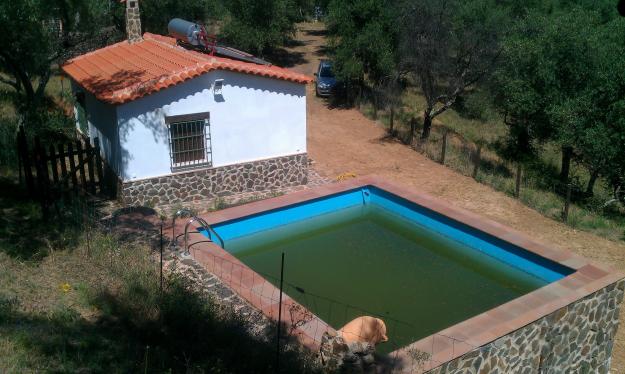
(355,357)
(576,339)
(257,176)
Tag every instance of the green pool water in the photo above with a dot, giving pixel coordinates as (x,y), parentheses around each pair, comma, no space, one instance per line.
(366,261)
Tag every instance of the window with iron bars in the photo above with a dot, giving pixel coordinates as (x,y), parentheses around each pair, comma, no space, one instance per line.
(189,141)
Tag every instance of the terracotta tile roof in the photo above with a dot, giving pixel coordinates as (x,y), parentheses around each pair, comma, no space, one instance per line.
(124,72)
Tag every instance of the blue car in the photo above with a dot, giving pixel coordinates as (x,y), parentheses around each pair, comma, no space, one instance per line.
(326,82)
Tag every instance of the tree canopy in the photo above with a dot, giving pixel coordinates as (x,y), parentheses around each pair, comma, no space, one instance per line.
(156,14)
(561,79)
(37,34)
(363,39)
(258,26)
(447,47)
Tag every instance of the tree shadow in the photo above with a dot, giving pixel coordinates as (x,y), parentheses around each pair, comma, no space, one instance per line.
(285,58)
(122,79)
(24,233)
(495,168)
(140,330)
(322,51)
(292,43)
(321,32)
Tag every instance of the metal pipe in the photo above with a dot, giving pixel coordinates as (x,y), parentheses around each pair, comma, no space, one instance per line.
(279,314)
(205,226)
(174,242)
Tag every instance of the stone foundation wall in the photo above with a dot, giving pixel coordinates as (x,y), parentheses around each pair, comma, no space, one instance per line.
(575,339)
(216,182)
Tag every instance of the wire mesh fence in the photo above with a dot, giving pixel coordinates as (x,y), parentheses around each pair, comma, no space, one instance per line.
(301,311)
(536,183)
(305,314)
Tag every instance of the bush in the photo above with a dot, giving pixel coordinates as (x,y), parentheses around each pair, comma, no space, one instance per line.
(475,105)
(51,125)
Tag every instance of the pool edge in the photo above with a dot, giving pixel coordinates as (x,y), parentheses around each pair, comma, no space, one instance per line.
(587,279)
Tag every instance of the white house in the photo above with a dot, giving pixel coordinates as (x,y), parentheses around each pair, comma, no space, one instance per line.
(177,125)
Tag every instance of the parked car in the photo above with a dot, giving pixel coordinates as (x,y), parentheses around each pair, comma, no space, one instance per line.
(326,82)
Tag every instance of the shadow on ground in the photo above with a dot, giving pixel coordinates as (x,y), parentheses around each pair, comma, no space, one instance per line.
(136,331)
(26,234)
(321,32)
(322,51)
(23,232)
(285,58)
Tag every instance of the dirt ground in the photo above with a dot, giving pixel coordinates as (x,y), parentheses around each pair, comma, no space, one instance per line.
(343,140)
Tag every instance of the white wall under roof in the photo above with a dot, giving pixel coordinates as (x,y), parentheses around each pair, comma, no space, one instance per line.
(254,118)
(102,125)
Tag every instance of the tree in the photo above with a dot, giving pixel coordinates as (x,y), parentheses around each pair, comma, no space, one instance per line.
(536,81)
(37,34)
(562,79)
(259,26)
(362,40)
(448,46)
(156,14)
(601,138)
(519,85)
(558,80)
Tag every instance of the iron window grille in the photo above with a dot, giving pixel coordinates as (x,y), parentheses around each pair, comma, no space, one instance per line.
(189,141)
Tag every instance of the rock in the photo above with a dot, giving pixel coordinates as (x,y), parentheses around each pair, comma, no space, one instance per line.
(355,357)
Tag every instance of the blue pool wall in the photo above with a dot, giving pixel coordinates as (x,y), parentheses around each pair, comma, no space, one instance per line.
(540,267)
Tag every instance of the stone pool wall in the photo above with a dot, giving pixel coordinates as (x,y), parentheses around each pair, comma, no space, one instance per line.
(575,339)
(216,182)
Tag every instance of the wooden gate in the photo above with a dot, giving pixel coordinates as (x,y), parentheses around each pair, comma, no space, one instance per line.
(57,170)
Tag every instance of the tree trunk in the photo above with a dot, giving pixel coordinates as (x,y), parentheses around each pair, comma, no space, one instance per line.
(567,155)
(591,183)
(391,130)
(427,125)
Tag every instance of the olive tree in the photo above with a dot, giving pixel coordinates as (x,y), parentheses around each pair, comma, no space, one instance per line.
(561,79)
(447,46)
(362,41)
(259,26)
(37,35)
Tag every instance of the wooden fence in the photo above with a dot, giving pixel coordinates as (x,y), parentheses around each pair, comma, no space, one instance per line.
(57,171)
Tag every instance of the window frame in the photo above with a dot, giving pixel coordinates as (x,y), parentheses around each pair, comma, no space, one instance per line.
(208,152)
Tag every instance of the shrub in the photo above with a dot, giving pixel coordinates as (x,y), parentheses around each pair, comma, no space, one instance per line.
(475,105)
(185,329)
(8,147)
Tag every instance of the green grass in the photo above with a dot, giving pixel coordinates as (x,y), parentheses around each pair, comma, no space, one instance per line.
(540,187)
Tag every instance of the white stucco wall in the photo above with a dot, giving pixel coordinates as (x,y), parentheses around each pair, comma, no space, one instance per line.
(254,118)
(102,124)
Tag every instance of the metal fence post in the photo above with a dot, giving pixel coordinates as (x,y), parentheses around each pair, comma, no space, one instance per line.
(444,148)
(279,315)
(161,257)
(517,189)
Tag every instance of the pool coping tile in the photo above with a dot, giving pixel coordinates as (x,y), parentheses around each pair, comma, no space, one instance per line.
(587,278)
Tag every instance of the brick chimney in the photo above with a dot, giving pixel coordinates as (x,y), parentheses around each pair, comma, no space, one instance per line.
(133,21)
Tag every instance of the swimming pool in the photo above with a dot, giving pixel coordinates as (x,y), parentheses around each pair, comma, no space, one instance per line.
(367,251)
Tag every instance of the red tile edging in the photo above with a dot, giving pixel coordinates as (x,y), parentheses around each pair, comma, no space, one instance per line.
(461,338)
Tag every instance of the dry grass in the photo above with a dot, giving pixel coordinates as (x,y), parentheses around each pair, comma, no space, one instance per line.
(76,299)
(540,187)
